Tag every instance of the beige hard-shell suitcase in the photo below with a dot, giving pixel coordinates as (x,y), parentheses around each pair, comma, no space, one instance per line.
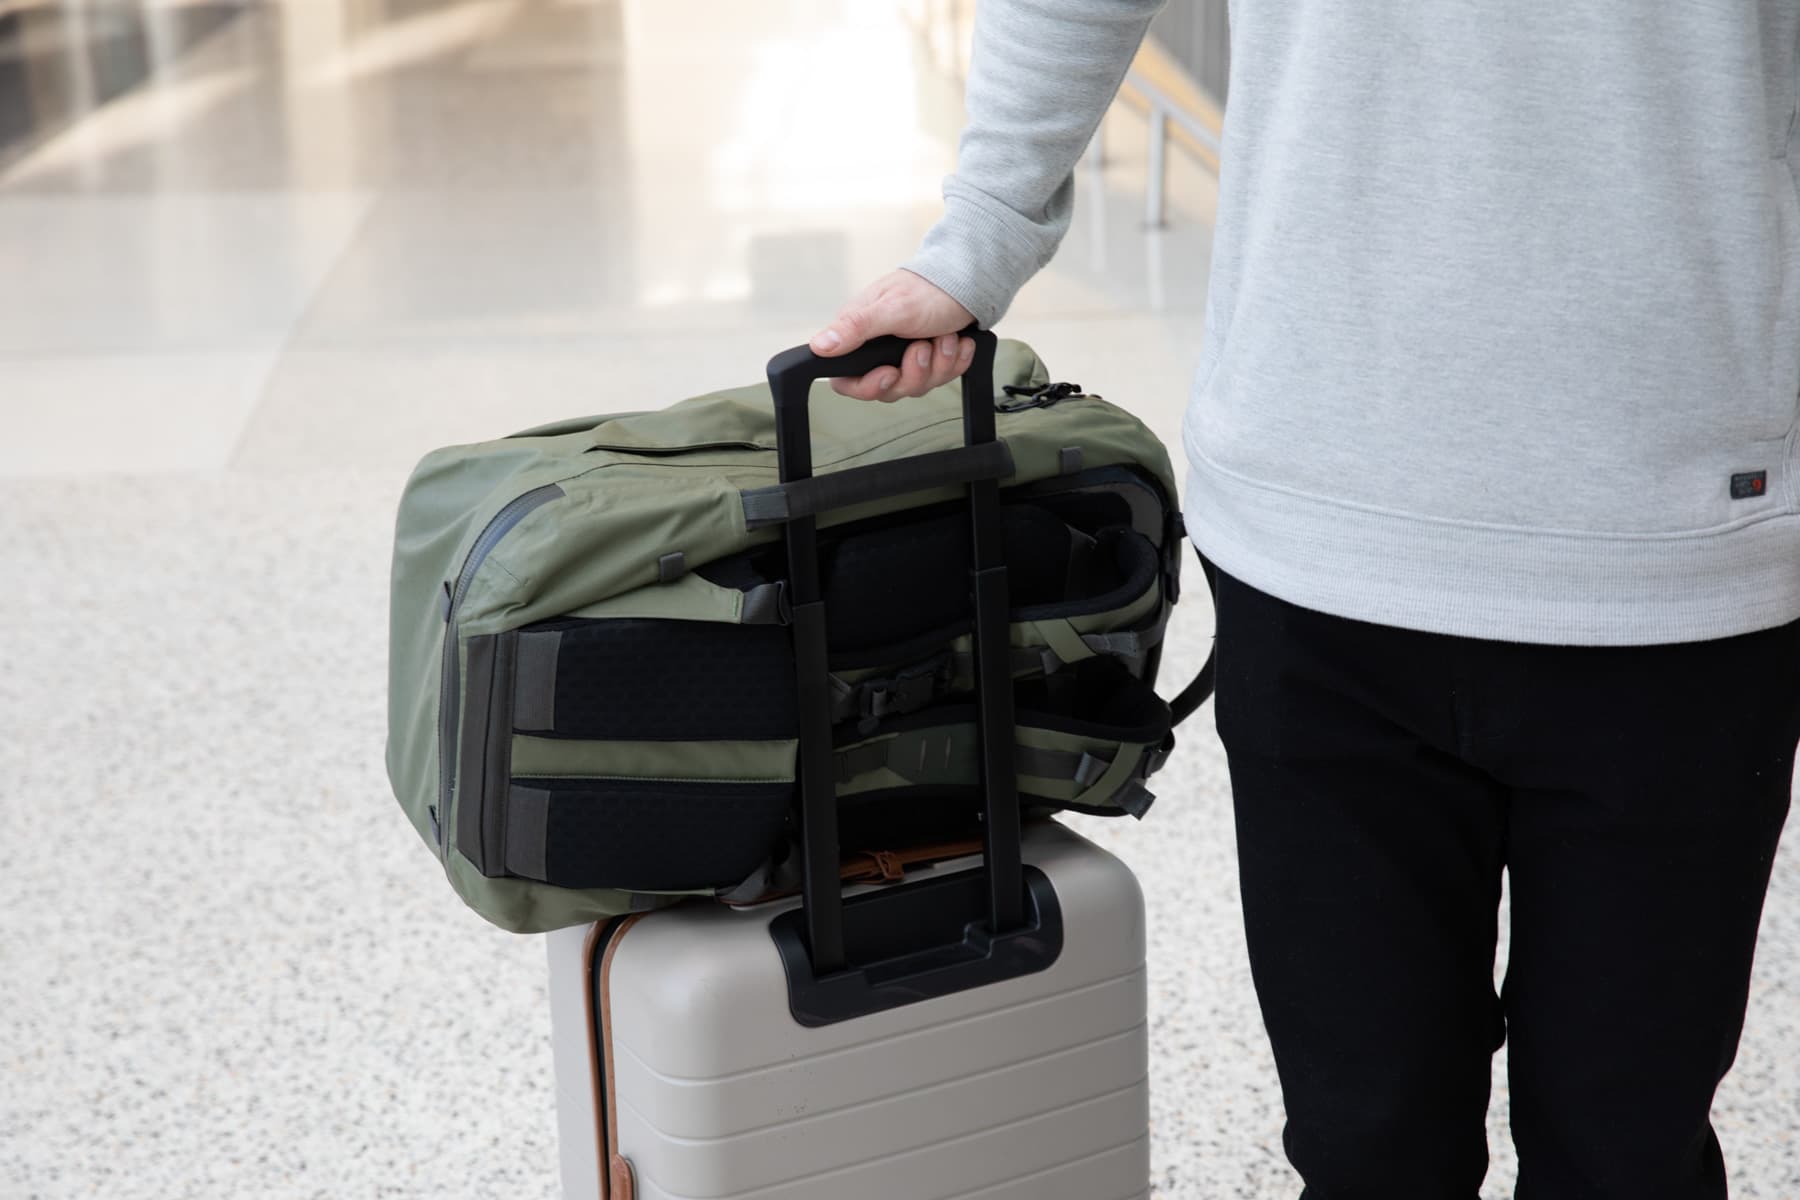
(689,1065)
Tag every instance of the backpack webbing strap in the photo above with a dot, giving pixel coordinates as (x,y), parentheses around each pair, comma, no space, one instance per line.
(1194,694)
(1129,646)
(1083,768)
(534,680)
(527,831)
(815,494)
(912,688)
(906,690)
(945,755)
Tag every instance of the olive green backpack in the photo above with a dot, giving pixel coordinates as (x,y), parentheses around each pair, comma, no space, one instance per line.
(593,703)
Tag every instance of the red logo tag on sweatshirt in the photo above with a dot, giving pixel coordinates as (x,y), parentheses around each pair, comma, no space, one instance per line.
(1748,484)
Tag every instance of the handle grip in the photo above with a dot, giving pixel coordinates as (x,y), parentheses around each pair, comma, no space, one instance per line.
(792,372)
(800,365)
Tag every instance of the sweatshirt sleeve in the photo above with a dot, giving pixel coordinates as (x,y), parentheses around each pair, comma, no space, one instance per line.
(1041,75)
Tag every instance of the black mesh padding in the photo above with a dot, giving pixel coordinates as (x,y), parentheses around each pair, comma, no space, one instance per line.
(1122,567)
(886,585)
(894,578)
(658,835)
(1095,498)
(1106,699)
(1089,511)
(655,680)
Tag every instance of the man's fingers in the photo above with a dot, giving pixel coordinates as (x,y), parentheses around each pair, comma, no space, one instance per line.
(868,387)
(927,365)
(946,358)
(864,387)
(948,364)
(915,372)
(887,384)
(876,383)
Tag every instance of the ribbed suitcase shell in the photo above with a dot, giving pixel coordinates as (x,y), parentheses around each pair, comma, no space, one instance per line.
(1034,1088)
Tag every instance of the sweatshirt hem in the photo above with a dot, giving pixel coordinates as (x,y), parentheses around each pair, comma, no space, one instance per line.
(1494,582)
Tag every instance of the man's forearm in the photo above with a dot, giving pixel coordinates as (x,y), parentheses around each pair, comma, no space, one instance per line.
(1042,74)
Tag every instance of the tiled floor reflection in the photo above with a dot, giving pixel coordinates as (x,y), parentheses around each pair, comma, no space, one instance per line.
(59,62)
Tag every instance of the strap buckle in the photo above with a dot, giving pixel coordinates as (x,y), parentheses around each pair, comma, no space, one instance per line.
(902,692)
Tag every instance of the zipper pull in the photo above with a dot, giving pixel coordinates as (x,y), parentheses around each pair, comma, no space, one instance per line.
(1042,396)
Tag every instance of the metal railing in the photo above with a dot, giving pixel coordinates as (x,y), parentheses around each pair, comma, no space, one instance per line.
(1156,172)
(1197,34)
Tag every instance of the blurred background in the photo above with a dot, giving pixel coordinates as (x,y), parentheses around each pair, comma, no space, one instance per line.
(256,258)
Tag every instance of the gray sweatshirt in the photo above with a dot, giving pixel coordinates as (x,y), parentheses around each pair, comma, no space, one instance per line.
(1503,332)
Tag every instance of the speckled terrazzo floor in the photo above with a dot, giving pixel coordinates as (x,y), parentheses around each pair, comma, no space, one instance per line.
(255,289)
(230,970)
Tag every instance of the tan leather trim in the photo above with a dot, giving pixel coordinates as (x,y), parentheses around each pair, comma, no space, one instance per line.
(872,866)
(936,852)
(879,866)
(624,1181)
(587,959)
(609,1134)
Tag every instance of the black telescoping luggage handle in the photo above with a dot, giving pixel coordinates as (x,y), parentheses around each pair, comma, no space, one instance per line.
(791,376)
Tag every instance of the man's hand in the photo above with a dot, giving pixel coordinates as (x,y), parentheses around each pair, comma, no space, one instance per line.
(904,304)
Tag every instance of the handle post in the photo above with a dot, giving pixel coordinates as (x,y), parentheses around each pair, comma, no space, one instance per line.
(1001,838)
(791,375)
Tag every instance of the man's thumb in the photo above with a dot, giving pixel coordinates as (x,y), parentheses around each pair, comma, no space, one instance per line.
(848,330)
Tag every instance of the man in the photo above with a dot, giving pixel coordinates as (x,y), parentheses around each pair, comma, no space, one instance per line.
(1493,449)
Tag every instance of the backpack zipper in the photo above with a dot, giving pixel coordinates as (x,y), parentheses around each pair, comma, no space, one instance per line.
(671,451)
(1042,395)
(502,523)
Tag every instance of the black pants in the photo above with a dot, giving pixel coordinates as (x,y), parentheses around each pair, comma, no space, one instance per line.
(1384,777)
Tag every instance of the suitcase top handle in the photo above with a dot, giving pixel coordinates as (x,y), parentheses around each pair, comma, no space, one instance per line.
(791,375)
